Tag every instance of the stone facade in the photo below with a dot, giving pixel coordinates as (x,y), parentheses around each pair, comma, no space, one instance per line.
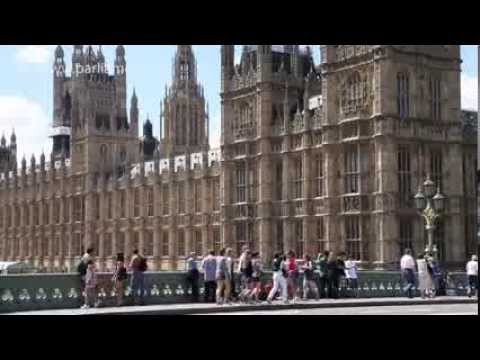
(313,157)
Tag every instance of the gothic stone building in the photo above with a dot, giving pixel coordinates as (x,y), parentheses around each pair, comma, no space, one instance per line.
(313,157)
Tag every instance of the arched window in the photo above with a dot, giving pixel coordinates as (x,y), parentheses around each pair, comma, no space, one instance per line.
(353,94)
(403,96)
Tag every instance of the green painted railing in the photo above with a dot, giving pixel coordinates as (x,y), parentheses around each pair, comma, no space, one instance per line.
(62,291)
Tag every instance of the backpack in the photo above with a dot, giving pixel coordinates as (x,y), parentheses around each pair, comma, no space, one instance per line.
(82,268)
(143,266)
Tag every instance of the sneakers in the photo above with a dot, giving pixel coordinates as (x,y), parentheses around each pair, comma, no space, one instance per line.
(85,307)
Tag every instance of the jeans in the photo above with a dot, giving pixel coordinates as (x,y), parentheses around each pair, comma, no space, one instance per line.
(309,285)
(409,278)
(210,289)
(279,283)
(333,287)
(322,284)
(138,286)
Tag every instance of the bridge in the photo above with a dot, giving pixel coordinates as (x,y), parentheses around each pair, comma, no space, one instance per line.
(37,292)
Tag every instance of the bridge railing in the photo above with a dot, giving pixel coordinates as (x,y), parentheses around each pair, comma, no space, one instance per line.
(62,291)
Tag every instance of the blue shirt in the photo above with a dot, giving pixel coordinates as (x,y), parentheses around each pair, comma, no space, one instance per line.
(209,267)
(191,264)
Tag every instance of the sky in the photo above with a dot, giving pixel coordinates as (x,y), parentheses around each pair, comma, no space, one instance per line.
(26,86)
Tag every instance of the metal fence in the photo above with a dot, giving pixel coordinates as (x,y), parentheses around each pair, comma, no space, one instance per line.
(62,291)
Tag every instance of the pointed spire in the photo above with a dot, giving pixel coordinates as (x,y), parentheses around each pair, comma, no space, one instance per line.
(24,164)
(3,141)
(77,54)
(13,138)
(100,56)
(185,67)
(59,53)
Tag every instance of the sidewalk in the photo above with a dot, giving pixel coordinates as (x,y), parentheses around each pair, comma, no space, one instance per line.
(191,309)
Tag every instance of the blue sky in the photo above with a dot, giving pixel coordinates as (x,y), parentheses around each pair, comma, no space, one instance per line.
(26,86)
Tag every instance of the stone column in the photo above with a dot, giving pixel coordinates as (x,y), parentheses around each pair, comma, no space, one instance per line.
(387,235)
(454,223)
(265,204)
(156,242)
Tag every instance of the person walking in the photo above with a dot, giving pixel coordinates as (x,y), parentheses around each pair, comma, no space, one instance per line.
(279,279)
(82,268)
(193,276)
(223,278)
(256,285)
(90,286)
(246,272)
(407,267)
(472,273)
(119,277)
(231,267)
(323,276)
(332,276)
(209,267)
(309,278)
(292,271)
(351,275)
(138,266)
(425,281)
(341,274)
(244,268)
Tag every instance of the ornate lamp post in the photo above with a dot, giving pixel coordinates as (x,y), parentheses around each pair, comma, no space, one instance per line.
(431,207)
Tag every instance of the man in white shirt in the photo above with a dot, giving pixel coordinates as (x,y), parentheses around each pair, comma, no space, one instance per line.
(472,273)
(407,265)
(351,275)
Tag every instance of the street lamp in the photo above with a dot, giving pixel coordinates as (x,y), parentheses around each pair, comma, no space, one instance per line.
(431,207)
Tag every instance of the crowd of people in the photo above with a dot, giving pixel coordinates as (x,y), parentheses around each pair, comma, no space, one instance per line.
(431,279)
(222,273)
(227,279)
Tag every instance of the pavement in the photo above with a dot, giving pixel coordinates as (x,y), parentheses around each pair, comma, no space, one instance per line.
(354,306)
(437,309)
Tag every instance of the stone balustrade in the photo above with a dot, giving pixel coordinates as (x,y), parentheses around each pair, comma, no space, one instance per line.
(62,291)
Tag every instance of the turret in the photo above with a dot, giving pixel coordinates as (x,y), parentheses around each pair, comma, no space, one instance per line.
(3,141)
(121,82)
(134,112)
(228,64)
(77,60)
(264,62)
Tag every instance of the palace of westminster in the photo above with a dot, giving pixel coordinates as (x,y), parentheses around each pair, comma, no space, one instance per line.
(313,157)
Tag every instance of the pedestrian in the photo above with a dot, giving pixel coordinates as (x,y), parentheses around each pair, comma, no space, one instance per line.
(425,281)
(246,271)
(223,278)
(292,271)
(407,266)
(279,279)
(90,286)
(193,276)
(209,267)
(244,268)
(138,266)
(82,268)
(256,285)
(332,276)
(472,273)
(341,273)
(322,270)
(309,278)
(231,267)
(119,277)
(351,275)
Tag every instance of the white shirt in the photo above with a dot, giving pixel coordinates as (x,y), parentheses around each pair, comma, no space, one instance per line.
(351,269)
(407,262)
(422,266)
(472,268)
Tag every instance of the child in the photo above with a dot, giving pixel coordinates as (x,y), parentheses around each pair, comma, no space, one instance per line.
(90,286)
(119,278)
